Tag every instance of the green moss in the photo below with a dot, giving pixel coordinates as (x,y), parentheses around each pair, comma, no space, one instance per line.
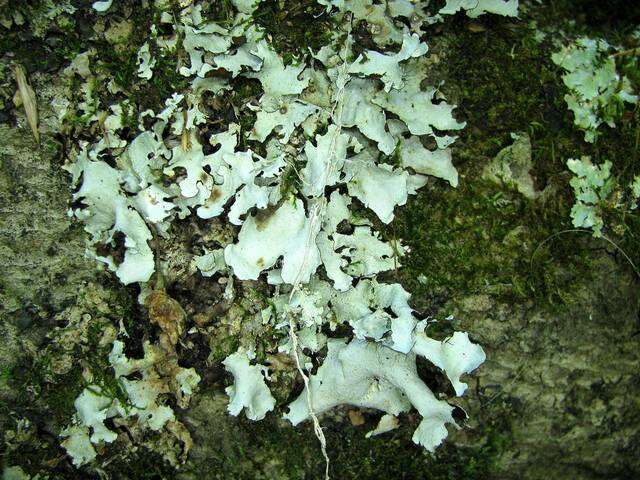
(129,118)
(221,11)
(166,79)
(294,28)
(245,90)
(269,450)
(120,62)
(386,456)
(140,464)
(222,347)
(481,237)
(291,181)
(121,65)
(616,19)
(37,55)
(57,392)
(60,397)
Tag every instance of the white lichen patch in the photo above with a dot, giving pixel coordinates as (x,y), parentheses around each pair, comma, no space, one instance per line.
(335,131)
(369,375)
(140,398)
(249,391)
(109,211)
(145,62)
(475,8)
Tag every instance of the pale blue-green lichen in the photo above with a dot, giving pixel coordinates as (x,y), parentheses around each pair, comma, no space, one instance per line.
(342,142)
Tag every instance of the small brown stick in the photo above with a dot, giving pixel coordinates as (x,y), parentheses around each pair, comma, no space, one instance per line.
(186,134)
(632,52)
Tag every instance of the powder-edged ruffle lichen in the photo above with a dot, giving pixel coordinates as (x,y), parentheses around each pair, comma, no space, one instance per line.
(335,130)
(597,91)
(591,185)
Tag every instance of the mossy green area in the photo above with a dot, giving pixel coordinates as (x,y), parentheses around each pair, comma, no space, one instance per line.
(238,448)
(27,43)
(117,59)
(295,29)
(482,237)
(355,457)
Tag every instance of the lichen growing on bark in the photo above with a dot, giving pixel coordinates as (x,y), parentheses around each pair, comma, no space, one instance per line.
(473,251)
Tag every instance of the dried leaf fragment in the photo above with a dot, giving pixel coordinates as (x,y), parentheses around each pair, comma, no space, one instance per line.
(181,433)
(28,98)
(168,315)
(356,418)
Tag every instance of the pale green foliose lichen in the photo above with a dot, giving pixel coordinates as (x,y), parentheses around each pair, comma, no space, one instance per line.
(596,89)
(370,375)
(141,398)
(333,119)
(635,192)
(249,392)
(146,62)
(475,8)
(102,6)
(591,186)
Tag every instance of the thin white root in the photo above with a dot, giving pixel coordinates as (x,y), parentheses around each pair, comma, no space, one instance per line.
(315,221)
(317,429)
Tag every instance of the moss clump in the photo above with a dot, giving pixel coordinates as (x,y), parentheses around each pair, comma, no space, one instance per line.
(47,406)
(223,346)
(294,27)
(355,457)
(239,448)
(121,65)
(35,377)
(244,91)
(481,237)
(142,464)
(221,11)
(55,41)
